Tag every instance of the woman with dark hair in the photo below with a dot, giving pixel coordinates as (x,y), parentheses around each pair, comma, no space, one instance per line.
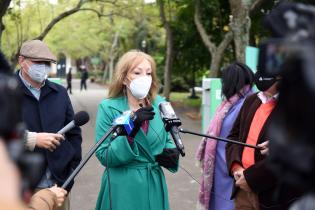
(215,192)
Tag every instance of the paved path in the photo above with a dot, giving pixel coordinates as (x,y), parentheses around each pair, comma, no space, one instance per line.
(183,190)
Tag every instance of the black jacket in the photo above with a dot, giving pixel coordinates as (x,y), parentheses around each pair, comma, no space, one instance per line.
(51,113)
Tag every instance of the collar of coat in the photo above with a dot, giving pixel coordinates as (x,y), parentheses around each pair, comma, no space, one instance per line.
(156,126)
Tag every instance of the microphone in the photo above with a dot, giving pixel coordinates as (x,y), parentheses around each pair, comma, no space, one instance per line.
(171,123)
(124,124)
(80,119)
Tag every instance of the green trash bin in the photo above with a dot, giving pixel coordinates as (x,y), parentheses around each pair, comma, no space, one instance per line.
(211,99)
(56,80)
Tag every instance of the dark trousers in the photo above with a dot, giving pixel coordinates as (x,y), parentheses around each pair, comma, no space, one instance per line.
(69,87)
(83,84)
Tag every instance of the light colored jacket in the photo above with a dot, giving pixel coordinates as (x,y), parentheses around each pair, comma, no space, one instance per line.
(42,200)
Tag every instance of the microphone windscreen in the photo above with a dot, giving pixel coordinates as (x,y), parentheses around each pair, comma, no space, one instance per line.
(166,110)
(80,118)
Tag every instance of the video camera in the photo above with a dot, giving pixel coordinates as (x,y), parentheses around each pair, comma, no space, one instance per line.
(12,130)
(290,55)
(293,42)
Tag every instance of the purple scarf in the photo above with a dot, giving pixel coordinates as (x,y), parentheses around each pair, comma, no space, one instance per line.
(207,150)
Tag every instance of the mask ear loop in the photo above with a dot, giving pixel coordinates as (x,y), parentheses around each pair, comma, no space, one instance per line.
(24,71)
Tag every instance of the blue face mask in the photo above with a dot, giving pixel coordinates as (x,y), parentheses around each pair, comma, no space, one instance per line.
(39,72)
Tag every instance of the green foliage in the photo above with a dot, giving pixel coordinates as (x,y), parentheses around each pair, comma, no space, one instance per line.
(159,59)
(192,58)
(96,74)
(183,99)
(214,16)
(85,35)
(179,84)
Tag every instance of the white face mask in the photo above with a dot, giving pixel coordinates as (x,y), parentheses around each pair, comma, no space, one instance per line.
(39,72)
(140,87)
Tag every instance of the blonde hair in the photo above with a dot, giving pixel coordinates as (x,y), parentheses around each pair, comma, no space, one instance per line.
(127,63)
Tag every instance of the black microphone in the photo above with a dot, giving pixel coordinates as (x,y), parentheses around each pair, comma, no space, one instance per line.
(171,123)
(80,119)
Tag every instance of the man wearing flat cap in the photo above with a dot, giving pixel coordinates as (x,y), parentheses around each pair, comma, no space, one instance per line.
(46,109)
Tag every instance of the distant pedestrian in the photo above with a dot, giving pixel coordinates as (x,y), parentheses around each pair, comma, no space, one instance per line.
(69,79)
(84,77)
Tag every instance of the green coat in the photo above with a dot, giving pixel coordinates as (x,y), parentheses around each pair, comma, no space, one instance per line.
(137,181)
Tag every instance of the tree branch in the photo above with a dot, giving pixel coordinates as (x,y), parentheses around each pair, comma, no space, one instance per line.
(162,13)
(164,21)
(99,14)
(114,2)
(77,8)
(228,37)
(60,17)
(204,36)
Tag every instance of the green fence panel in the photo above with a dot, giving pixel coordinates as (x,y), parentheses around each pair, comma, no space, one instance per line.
(55,80)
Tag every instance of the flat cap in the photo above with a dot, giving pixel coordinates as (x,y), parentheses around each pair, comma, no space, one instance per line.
(36,50)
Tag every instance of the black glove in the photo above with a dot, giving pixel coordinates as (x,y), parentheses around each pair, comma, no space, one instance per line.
(168,158)
(141,115)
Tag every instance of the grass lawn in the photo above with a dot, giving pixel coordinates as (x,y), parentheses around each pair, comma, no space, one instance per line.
(183,99)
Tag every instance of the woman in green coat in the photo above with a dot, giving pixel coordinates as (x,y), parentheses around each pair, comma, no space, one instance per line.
(134,163)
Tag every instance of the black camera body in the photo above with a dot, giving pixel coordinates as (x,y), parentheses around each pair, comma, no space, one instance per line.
(290,55)
(12,130)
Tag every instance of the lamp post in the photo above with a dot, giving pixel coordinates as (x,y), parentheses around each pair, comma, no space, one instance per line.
(144,46)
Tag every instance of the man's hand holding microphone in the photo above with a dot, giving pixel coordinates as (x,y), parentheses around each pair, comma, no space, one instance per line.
(48,141)
(51,141)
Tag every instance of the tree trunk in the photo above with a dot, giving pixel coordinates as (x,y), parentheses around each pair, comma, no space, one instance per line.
(240,26)
(169,52)
(112,55)
(215,65)
(4,4)
(168,64)
(105,73)
(216,52)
